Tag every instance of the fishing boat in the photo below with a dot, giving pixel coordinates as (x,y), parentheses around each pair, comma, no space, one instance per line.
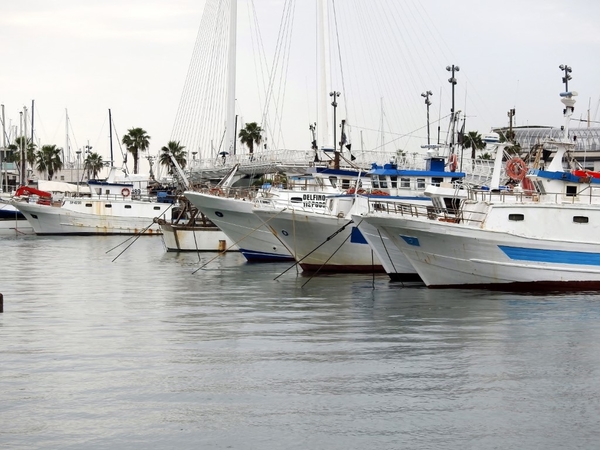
(230,208)
(113,207)
(329,240)
(541,238)
(190,230)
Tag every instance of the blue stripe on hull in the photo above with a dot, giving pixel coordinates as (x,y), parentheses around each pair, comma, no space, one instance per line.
(551,256)
(254,256)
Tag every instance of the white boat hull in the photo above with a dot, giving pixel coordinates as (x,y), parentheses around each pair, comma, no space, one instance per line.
(322,242)
(235,218)
(560,253)
(101,217)
(178,238)
(395,264)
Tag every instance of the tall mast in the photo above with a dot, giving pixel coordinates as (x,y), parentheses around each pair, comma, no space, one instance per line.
(23,146)
(110,136)
(231,69)
(66,149)
(323,91)
(2,151)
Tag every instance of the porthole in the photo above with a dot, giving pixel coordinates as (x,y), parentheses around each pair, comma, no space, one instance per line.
(581,219)
(516,217)
(218,214)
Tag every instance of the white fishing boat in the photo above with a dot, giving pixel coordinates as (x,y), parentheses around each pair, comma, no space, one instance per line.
(231,209)
(190,230)
(113,207)
(329,240)
(543,235)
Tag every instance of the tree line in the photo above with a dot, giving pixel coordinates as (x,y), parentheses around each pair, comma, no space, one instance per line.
(49,159)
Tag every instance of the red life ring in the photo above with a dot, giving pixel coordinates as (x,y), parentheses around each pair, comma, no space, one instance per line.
(125,192)
(516,168)
(453,162)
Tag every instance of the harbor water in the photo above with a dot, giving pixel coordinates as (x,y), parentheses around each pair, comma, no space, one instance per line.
(105,346)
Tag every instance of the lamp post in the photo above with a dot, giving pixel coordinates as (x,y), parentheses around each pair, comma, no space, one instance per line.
(78,154)
(567,70)
(452,80)
(335,95)
(428,103)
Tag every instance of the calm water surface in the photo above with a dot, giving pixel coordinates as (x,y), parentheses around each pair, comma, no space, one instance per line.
(142,353)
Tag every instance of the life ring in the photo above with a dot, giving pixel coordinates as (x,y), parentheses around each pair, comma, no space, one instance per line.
(516,168)
(216,191)
(453,162)
(125,192)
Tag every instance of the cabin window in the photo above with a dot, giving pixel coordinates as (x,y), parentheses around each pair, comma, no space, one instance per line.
(420,183)
(571,191)
(375,181)
(62,178)
(345,184)
(88,205)
(516,217)
(394,181)
(99,191)
(333,181)
(383,182)
(580,219)
(296,199)
(127,206)
(157,208)
(405,183)
(34,216)
(108,205)
(437,181)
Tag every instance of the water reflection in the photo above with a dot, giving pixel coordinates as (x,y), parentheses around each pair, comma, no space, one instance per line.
(143,353)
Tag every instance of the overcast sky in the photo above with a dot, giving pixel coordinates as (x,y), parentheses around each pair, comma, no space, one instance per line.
(133,56)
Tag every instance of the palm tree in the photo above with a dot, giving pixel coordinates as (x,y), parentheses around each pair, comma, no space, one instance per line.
(473,141)
(177,150)
(16,148)
(93,164)
(136,140)
(48,160)
(251,134)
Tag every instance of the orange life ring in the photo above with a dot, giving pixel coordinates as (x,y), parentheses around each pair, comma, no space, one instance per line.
(516,168)
(453,162)
(216,191)
(125,192)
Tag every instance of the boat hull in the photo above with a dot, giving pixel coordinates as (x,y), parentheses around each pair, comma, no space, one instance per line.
(322,242)
(180,238)
(235,218)
(558,255)
(94,217)
(395,264)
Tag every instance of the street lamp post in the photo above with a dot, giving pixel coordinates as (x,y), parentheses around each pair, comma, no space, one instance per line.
(428,103)
(567,70)
(78,154)
(452,80)
(335,95)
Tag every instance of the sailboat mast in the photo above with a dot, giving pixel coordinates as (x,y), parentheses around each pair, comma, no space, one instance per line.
(2,171)
(110,136)
(231,68)
(66,149)
(323,91)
